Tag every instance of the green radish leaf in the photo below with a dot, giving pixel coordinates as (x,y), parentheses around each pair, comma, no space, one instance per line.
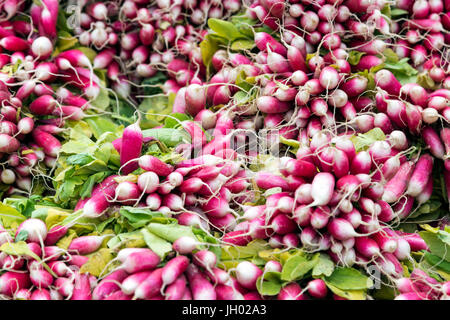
(436,245)
(65,41)
(270,285)
(425,81)
(297,266)
(324,267)
(170,232)
(384,293)
(174,119)
(362,141)
(25,206)
(224,29)
(87,187)
(169,136)
(10,217)
(242,44)
(21,236)
(132,239)
(349,279)
(138,217)
(65,241)
(152,85)
(80,159)
(101,125)
(347,294)
(396,12)
(444,236)
(158,245)
(243,252)
(102,101)
(437,262)
(354,57)
(390,56)
(386,10)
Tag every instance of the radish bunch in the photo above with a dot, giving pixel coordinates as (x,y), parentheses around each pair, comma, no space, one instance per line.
(41,89)
(135,39)
(45,271)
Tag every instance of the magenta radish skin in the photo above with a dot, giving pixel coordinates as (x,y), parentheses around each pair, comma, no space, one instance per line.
(86,244)
(11,282)
(398,184)
(292,291)
(200,287)
(367,247)
(132,140)
(131,282)
(341,229)
(41,278)
(420,175)
(185,245)
(317,289)
(82,288)
(173,269)
(151,286)
(151,163)
(140,261)
(205,259)
(176,290)
(107,285)
(433,141)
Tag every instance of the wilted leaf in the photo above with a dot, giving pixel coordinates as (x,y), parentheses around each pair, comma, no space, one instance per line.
(97,262)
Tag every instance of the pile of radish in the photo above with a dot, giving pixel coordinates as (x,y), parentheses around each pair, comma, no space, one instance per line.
(225,150)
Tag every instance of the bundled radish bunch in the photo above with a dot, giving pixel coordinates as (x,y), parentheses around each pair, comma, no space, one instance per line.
(136,39)
(190,275)
(420,286)
(37,269)
(34,108)
(194,189)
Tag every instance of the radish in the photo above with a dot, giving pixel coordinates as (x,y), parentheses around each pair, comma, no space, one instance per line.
(82,288)
(132,282)
(247,273)
(11,282)
(205,259)
(36,230)
(150,287)
(398,183)
(201,288)
(291,291)
(108,285)
(317,289)
(151,163)
(148,182)
(177,289)
(42,47)
(420,175)
(174,268)
(138,260)
(132,140)
(322,188)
